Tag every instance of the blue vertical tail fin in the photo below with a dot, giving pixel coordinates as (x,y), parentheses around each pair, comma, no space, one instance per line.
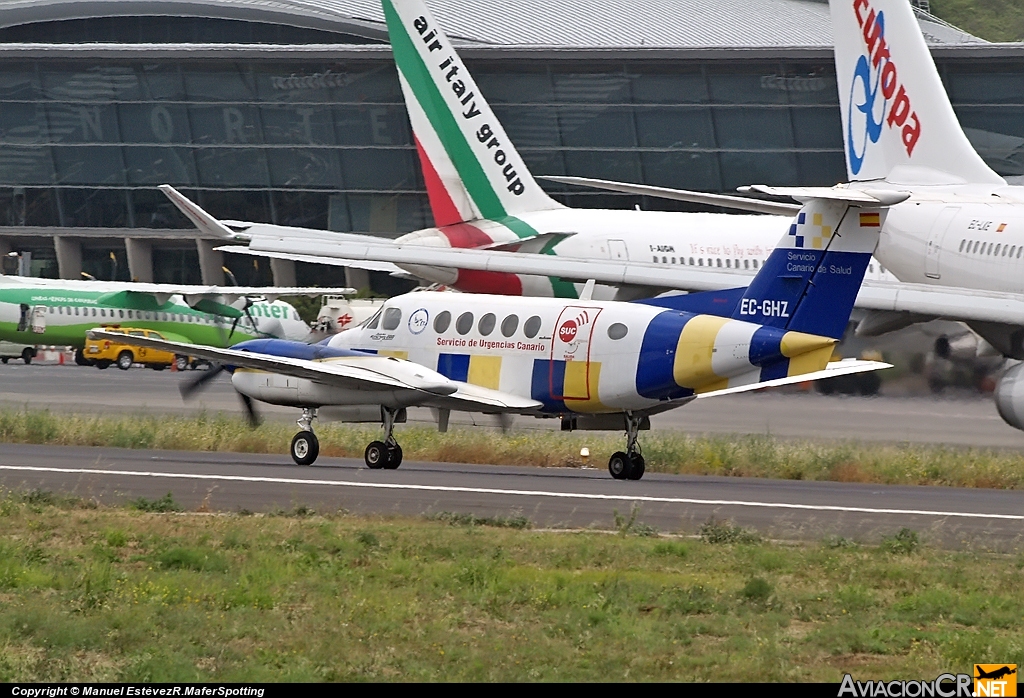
(810,281)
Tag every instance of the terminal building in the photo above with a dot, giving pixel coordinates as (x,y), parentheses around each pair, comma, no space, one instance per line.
(290,112)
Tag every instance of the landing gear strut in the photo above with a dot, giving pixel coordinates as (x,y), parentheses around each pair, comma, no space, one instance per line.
(305,445)
(628,465)
(385,454)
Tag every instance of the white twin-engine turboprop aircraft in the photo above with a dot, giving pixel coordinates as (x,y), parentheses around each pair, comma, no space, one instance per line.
(594,364)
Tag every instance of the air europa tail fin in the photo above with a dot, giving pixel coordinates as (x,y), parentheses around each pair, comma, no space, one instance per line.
(898,123)
(471,168)
(811,279)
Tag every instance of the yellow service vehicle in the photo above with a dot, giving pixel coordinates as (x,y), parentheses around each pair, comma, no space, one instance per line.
(102,353)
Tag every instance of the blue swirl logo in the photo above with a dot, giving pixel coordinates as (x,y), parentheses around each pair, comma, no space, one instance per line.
(868,128)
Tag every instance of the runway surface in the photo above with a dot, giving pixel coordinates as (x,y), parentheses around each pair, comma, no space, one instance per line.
(962,421)
(555,497)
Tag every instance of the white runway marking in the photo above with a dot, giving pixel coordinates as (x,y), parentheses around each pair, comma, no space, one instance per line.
(524,493)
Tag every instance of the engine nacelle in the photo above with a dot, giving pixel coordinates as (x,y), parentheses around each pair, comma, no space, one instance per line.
(1010,396)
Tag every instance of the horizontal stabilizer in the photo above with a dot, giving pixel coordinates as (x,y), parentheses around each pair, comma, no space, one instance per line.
(836,368)
(854,197)
(739,203)
(386,267)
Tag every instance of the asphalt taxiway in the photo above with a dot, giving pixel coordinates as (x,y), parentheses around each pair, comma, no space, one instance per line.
(966,420)
(552,497)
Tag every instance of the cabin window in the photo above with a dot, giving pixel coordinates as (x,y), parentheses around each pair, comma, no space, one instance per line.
(617,330)
(442,321)
(76,311)
(532,326)
(486,325)
(871,268)
(691,261)
(509,325)
(655,259)
(121,314)
(1019,250)
(746,264)
(989,253)
(51,310)
(1005,249)
(962,245)
(664,260)
(1012,250)
(719,260)
(392,316)
(60,311)
(755,264)
(997,250)
(700,262)
(673,260)
(464,324)
(728,263)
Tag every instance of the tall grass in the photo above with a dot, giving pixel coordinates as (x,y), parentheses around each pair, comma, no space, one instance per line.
(666,452)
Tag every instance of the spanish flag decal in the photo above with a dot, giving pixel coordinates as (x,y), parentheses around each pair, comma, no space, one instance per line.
(870,220)
(1001,228)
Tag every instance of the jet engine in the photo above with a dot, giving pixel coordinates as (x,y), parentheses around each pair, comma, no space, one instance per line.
(1010,396)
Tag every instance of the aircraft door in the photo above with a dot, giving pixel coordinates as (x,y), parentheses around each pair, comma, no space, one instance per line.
(617,250)
(39,319)
(24,317)
(570,370)
(934,245)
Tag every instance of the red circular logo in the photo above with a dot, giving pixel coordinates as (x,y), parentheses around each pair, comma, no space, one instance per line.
(567,332)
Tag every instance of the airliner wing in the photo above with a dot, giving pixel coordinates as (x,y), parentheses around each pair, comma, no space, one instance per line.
(921,299)
(739,203)
(368,372)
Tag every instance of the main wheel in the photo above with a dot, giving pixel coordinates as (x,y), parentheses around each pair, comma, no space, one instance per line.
(181,362)
(27,354)
(305,448)
(618,465)
(80,359)
(376,455)
(102,364)
(125,360)
(394,457)
(636,467)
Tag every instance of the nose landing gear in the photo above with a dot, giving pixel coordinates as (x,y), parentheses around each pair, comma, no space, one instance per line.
(385,454)
(629,465)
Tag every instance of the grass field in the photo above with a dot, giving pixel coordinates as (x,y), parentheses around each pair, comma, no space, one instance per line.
(672,452)
(112,594)
(994,20)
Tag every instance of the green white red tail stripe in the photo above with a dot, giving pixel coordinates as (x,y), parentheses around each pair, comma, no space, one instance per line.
(471,168)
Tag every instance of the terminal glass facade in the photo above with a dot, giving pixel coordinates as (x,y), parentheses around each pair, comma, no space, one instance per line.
(320,144)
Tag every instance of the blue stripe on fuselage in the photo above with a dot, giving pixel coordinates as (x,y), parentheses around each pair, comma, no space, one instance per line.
(548,379)
(721,303)
(453,366)
(655,375)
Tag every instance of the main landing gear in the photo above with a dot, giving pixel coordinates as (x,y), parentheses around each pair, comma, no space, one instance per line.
(305,445)
(628,465)
(385,454)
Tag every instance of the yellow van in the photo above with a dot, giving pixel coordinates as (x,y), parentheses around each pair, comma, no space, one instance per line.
(104,352)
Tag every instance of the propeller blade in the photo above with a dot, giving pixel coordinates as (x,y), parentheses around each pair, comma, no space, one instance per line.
(191,386)
(234,324)
(251,415)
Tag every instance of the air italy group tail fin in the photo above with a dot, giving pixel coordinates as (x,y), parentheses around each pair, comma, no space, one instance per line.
(898,123)
(811,279)
(470,166)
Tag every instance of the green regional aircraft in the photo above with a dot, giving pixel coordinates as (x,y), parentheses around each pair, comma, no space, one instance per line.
(59,312)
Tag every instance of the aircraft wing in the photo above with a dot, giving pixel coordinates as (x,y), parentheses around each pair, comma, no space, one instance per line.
(164,291)
(739,203)
(367,372)
(613,272)
(922,299)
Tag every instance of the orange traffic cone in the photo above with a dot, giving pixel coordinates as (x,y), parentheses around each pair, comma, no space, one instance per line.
(60,359)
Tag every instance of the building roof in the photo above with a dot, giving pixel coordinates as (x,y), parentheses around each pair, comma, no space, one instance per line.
(582,24)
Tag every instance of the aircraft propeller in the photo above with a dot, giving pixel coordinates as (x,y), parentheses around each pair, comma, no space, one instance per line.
(191,386)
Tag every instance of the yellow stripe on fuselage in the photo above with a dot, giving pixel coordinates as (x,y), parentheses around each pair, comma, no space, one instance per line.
(696,346)
(579,391)
(485,371)
(395,353)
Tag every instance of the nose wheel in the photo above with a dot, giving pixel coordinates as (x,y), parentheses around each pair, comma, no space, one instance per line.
(305,446)
(628,465)
(386,454)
